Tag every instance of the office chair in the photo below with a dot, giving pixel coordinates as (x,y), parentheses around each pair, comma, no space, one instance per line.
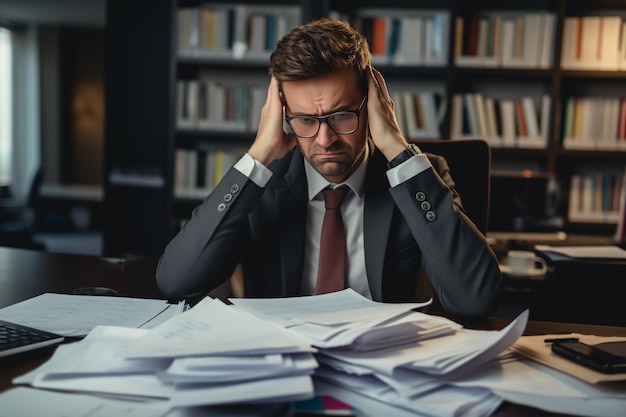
(470,167)
(17,218)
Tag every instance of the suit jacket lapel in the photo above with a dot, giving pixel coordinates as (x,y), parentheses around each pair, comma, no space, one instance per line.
(291,206)
(378,211)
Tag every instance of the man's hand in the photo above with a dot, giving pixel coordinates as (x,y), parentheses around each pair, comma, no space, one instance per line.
(271,141)
(383,124)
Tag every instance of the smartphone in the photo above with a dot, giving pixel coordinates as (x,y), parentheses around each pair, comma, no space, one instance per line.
(591,356)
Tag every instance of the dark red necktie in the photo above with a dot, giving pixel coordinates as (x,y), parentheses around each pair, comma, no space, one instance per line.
(331,275)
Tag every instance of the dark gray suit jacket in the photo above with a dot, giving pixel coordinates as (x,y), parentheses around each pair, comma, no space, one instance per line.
(264,230)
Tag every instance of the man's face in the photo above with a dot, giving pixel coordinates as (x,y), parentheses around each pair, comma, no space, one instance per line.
(335,156)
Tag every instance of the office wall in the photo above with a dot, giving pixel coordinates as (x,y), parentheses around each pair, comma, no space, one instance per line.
(82,98)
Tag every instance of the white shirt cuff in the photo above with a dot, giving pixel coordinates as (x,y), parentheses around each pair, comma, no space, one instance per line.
(253,169)
(408,169)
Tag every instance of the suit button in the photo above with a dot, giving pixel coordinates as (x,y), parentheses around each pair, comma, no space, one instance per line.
(221,207)
(420,196)
(425,205)
(228,197)
(234,188)
(431,216)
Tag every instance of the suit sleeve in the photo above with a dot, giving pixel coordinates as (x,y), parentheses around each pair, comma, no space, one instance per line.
(458,260)
(204,253)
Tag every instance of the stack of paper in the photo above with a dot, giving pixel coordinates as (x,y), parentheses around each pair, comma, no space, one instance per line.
(390,354)
(210,354)
(345,318)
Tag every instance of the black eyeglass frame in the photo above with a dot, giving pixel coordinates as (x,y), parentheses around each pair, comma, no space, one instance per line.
(324,119)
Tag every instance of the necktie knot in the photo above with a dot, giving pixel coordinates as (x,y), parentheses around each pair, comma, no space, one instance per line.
(334,197)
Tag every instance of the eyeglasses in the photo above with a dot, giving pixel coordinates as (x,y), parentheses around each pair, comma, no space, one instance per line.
(341,122)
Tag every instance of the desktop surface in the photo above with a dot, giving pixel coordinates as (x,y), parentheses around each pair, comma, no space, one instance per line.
(25,274)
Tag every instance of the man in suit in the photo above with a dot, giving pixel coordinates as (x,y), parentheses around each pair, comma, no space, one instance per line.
(401,211)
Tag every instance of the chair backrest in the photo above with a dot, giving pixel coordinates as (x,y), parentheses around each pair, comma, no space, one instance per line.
(35,187)
(470,167)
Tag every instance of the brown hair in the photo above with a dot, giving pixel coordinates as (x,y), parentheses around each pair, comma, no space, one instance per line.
(320,47)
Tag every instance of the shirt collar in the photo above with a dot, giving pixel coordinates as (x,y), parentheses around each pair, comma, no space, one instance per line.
(317,183)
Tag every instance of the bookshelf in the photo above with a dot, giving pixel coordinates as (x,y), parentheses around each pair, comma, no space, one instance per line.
(459,66)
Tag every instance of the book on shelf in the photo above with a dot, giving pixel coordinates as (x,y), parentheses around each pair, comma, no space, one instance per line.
(593,43)
(596,197)
(502,122)
(620,231)
(239,31)
(507,40)
(418,113)
(198,171)
(226,105)
(405,36)
(594,123)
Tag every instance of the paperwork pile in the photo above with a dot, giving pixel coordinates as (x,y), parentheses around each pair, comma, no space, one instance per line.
(210,354)
(388,353)
(384,359)
(345,318)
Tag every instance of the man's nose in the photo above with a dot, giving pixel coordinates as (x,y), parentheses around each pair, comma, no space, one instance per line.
(326,136)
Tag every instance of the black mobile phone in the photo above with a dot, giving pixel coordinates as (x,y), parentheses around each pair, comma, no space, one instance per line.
(590,356)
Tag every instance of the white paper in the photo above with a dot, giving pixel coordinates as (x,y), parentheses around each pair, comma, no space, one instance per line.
(213,328)
(28,402)
(219,369)
(77,315)
(346,306)
(264,390)
(438,355)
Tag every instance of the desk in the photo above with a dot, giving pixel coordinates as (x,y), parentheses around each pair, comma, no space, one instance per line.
(25,274)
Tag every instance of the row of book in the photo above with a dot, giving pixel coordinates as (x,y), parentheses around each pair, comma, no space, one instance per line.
(419,114)
(225,106)
(233,31)
(594,43)
(505,40)
(406,38)
(596,197)
(504,123)
(595,123)
(198,171)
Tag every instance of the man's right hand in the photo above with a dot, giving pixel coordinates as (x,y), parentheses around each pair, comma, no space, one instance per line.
(271,141)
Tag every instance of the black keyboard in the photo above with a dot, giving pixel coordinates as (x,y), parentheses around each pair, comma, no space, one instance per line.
(16,339)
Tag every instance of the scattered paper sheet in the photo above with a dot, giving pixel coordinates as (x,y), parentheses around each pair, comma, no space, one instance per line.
(77,315)
(28,402)
(213,328)
(523,381)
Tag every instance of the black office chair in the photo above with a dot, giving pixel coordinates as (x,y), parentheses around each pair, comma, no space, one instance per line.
(17,218)
(470,167)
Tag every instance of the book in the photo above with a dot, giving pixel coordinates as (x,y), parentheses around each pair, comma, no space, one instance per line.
(411,42)
(509,128)
(530,118)
(456,118)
